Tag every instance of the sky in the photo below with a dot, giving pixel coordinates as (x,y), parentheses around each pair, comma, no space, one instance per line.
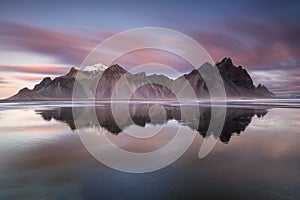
(47,38)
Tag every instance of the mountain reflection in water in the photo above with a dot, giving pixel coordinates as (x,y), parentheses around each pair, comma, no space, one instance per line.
(236,121)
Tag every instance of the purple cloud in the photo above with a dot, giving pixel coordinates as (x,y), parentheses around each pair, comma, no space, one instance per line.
(68,47)
(264,44)
(3,81)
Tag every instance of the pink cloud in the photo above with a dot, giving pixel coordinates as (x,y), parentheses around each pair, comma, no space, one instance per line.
(280,81)
(29,78)
(3,81)
(53,70)
(145,56)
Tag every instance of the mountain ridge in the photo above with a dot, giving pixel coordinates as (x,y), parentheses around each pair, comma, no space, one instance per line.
(237,82)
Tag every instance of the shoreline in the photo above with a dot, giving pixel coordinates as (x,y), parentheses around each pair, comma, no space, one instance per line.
(266,103)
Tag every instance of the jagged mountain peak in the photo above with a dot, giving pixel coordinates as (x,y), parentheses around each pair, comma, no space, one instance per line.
(115,68)
(44,83)
(26,89)
(233,74)
(26,94)
(225,61)
(264,89)
(73,71)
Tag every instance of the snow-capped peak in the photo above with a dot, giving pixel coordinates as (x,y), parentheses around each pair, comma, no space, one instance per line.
(94,69)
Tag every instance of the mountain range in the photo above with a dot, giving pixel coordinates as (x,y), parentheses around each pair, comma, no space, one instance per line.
(100,82)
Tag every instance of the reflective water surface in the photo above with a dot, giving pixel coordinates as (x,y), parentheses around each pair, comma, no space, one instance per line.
(42,157)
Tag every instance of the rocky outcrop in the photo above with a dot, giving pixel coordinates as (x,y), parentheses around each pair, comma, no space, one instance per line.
(238,82)
(117,81)
(58,88)
(134,86)
(26,94)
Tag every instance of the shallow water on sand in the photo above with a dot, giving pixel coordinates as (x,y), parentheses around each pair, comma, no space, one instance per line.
(256,156)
